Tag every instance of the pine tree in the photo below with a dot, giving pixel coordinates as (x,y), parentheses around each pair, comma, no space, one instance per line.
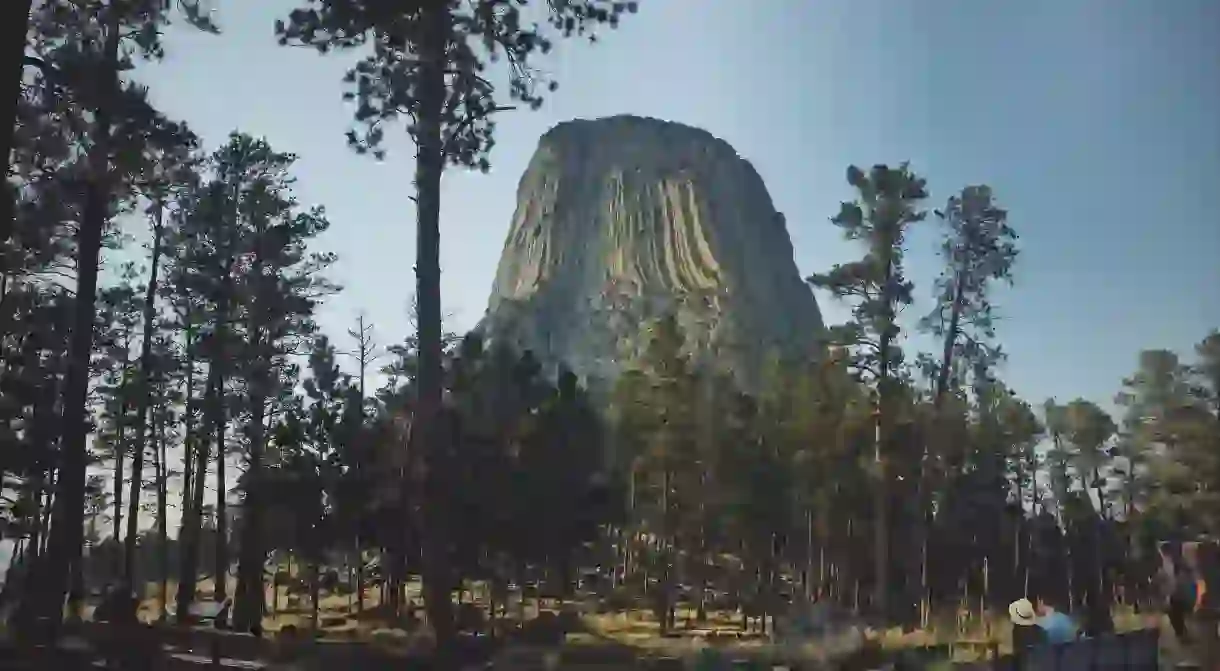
(662,414)
(120,315)
(1089,430)
(34,355)
(887,205)
(428,63)
(280,282)
(35,309)
(199,282)
(169,172)
(318,465)
(978,248)
(357,448)
(1153,397)
(1185,432)
(244,285)
(123,127)
(164,398)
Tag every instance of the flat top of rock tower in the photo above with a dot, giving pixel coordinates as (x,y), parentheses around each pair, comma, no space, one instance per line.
(579,128)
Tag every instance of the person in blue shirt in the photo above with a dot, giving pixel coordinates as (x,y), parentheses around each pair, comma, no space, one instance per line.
(1058,626)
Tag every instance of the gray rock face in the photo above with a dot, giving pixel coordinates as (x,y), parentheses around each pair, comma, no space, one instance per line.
(622,219)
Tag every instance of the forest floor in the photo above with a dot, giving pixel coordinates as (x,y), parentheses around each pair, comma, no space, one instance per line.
(635,630)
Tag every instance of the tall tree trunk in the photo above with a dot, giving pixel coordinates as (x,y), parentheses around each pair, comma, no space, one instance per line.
(64,548)
(162,517)
(92,526)
(47,430)
(221,556)
(630,536)
(188,420)
(144,397)
(48,508)
(119,461)
(1029,535)
(946,357)
(251,600)
(192,518)
(1018,548)
(249,603)
(666,588)
(45,482)
(926,485)
(135,483)
(359,591)
(120,453)
(187,468)
(1101,586)
(365,342)
(219,424)
(881,494)
(707,437)
(315,589)
(436,24)
(809,545)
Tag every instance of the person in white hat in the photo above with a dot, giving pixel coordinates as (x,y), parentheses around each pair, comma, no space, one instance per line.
(1025,630)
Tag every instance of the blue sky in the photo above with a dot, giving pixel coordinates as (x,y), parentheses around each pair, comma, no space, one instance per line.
(1096,121)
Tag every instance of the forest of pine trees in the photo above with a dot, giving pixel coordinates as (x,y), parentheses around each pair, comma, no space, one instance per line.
(171,412)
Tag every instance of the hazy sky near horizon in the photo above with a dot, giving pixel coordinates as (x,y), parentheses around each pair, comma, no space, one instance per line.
(1097,122)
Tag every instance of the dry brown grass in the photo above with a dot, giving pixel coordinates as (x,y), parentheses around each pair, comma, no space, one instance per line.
(635,629)
(337,613)
(642,631)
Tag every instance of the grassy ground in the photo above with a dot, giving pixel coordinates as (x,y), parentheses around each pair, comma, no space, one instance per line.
(639,630)
(337,613)
(636,630)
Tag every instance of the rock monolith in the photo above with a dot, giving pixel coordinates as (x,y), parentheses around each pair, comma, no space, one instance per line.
(622,219)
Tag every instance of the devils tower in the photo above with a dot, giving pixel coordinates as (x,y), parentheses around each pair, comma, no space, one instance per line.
(622,219)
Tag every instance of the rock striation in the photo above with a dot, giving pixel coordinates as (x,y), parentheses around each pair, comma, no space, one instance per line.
(622,219)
